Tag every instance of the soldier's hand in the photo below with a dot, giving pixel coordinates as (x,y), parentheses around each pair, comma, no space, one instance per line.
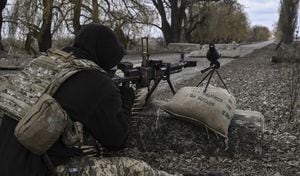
(140,100)
(127,95)
(89,150)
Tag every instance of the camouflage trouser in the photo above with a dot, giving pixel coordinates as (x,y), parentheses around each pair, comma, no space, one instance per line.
(110,166)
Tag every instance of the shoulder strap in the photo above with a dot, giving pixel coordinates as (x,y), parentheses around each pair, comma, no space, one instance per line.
(66,56)
(77,64)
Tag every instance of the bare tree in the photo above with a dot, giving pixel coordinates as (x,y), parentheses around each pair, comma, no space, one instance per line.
(126,17)
(95,11)
(196,14)
(180,18)
(223,23)
(77,14)
(287,49)
(45,36)
(287,20)
(171,30)
(83,11)
(259,33)
(177,19)
(2,5)
(38,20)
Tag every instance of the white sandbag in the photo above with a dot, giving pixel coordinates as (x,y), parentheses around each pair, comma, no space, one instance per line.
(214,108)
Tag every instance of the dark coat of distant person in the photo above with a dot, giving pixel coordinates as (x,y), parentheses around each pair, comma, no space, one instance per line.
(213,55)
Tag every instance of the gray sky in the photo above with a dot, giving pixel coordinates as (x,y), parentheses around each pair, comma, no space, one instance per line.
(262,12)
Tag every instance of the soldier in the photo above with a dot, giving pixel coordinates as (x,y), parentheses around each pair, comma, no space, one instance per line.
(94,112)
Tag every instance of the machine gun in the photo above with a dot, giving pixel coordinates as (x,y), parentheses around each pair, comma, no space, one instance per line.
(151,72)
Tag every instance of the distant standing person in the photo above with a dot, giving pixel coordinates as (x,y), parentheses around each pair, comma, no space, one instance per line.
(213,55)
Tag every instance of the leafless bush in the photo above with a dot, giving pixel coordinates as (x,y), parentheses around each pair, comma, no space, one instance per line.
(287,20)
(62,42)
(294,87)
(294,84)
(13,46)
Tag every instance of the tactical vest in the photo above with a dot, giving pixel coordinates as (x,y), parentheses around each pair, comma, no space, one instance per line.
(43,74)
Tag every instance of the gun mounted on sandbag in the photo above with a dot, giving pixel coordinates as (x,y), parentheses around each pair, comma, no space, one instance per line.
(151,72)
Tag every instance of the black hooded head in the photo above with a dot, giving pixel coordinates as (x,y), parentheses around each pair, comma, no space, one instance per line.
(212,46)
(97,43)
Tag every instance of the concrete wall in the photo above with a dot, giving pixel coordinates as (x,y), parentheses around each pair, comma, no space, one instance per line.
(226,50)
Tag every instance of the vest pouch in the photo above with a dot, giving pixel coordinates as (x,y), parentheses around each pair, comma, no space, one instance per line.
(73,134)
(42,125)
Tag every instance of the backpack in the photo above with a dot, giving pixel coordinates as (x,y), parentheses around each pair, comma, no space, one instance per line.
(41,119)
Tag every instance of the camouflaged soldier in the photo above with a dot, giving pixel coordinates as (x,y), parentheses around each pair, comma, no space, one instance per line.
(109,166)
(91,113)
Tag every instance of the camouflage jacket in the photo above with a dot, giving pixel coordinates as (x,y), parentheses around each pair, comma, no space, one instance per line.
(44,74)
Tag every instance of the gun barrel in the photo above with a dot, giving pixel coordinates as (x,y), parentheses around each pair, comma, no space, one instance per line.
(190,63)
(119,80)
(177,67)
(206,69)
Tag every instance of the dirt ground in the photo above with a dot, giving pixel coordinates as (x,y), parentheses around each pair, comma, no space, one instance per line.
(258,85)
(180,147)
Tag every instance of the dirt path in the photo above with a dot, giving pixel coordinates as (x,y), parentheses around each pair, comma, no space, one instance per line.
(257,84)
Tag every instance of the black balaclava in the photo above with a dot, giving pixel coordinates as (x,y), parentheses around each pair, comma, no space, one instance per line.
(97,43)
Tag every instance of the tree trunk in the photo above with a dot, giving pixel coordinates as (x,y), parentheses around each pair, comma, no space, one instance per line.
(287,20)
(76,17)
(95,12)
(1,20)
(2,5)
(177,16)
(166,30)
(45,36)
(28,44)
(171,31)
(121,35)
